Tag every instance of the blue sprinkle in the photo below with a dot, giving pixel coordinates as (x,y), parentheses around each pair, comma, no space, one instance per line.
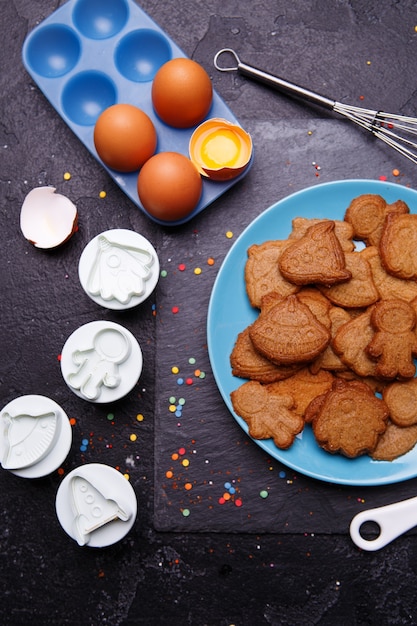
(282,474)
(180,381)
(232,490)
(83,448)
(227,485)
(85,442)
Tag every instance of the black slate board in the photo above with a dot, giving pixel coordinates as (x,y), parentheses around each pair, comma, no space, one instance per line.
(217,450)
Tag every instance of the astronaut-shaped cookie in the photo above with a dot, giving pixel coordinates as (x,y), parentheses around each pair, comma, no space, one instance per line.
(394,344)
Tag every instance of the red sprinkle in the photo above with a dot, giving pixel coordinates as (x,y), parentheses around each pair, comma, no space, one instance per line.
(175,309)
(181,267)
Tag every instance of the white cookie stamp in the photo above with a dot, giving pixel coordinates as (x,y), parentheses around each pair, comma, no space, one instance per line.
(118,269)
(35,436)
(101,361)
(96,505)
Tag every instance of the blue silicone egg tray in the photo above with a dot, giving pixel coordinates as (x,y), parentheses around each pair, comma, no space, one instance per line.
(91,54)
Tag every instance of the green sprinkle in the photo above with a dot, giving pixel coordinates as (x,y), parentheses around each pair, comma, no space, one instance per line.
(264,494)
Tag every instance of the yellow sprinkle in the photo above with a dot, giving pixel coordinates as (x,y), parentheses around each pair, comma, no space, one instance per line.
(368,63)
(175,369)
(126,476)
(102,194)
(309,132)
(185,462)
(395,172)
(415,28)
(67,176)
(133,437)
(140,417)
(229,234)
(197,271)
(172,408)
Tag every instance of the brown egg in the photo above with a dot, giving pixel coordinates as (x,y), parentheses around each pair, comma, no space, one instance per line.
(169,186)
(182,93)
(124,137)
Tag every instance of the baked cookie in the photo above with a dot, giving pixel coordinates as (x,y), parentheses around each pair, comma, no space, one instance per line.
(287,332)
(317,257)
(246,362)
(388,286)
(395,442)
(262,274)
(367,214)
(267,415)
(351,341)
(303,387)
(397,246)
(401,399)
(318,304)
(348,419)
(329,360)
(343,231)
(358,292)
(394,343)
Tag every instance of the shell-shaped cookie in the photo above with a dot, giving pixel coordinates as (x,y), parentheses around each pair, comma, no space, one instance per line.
(315,258)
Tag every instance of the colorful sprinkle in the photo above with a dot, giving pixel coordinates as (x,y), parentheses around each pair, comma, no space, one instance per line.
(229,234)
(210,261)
(395,172)
(264,493)
(175,309)
(181,267)
(197,271)
(140,417)
(133,437)
(110,416)
(164,273)
(186,512)
(175,369)
(102,194)
(67,176)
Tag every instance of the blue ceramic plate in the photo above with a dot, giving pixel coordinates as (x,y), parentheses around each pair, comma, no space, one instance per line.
(230,312)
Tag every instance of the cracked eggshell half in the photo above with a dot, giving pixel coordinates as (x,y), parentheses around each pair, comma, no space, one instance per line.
(47,219)
(220,150)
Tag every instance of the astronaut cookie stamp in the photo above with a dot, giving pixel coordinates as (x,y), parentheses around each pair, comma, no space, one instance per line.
(101,361)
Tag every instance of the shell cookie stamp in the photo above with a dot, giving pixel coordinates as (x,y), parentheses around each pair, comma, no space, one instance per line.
(35,436)
(101,361)
(96,505)
(118,269)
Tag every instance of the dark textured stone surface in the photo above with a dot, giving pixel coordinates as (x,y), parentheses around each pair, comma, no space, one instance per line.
(214,567)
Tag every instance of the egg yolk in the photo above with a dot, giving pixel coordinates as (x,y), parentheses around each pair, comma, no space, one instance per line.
(221,149)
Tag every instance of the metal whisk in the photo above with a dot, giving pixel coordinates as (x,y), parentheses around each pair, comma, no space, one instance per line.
(396,131)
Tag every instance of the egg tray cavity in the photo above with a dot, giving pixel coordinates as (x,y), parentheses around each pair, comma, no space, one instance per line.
(91,54)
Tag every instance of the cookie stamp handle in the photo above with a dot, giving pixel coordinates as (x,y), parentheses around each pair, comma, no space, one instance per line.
(393,520)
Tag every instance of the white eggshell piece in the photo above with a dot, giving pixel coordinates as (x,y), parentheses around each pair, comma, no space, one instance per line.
(47,219)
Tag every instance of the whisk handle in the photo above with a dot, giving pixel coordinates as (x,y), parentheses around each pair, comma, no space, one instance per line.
(284,86)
